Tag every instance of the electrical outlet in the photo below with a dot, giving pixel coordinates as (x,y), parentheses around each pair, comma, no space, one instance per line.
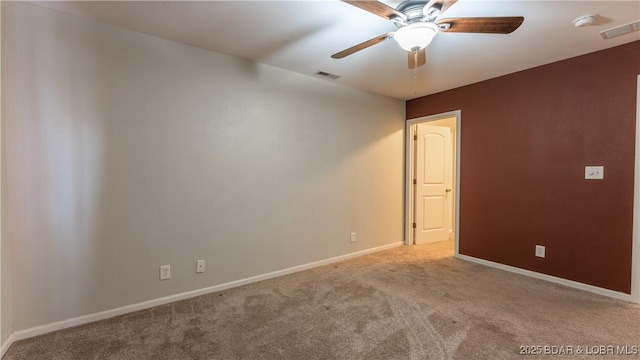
(200,266)
(594,172)
(353,237)
(540,251)
(165,272)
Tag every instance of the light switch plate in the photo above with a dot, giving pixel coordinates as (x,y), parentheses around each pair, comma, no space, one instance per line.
(594,172)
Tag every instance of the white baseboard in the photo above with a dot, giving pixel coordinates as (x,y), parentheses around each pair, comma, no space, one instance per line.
(553,279)
(5,345)
(85,319)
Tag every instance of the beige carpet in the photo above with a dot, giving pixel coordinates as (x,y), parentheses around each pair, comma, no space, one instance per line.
(405,303)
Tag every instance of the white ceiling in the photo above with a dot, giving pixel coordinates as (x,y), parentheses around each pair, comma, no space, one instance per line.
(301,36)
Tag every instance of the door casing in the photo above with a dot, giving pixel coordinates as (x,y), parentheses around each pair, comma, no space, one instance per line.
(409,169)
(635,259)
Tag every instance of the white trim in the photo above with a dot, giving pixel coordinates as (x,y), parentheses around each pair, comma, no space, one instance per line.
(2,348)
(635,252)
(43,329)
(5,345)
(553,279)
(408,189)
(457,185)
(408,183)
(408,197)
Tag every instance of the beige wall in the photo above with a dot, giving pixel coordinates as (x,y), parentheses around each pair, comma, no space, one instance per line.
(126,152)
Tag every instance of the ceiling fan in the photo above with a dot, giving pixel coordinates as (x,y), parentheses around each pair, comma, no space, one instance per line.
(418,21)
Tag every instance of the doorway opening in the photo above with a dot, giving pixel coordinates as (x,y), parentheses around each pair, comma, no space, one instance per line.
(432,175)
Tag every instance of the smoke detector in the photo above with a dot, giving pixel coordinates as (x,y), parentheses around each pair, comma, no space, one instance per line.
(584,20)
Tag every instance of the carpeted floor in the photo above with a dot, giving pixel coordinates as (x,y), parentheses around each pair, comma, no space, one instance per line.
(406,303)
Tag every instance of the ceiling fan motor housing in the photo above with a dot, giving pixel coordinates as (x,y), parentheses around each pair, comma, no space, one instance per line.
(415,11)
(417,31)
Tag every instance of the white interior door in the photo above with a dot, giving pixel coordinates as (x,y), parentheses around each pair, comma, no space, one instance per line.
(434,173)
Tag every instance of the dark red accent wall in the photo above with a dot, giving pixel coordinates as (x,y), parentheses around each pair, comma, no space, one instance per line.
(525,140)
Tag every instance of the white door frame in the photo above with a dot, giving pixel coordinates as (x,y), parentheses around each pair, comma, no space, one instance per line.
(635,255)
(409,158)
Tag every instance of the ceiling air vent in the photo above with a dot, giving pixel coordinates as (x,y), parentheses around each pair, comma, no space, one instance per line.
(621,30)
(327,75)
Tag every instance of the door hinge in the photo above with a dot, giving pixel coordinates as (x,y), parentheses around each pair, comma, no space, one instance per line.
(415,137)
(414,225)
(415,182)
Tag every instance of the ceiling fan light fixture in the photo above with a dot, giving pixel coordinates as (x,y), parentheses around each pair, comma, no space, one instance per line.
(415,36)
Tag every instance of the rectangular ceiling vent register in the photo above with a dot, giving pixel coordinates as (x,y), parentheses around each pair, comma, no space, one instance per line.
(621,30)
(327,75)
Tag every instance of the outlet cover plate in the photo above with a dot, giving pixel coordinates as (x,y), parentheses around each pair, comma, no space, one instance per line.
(165,272)
(540,251)
(200,266)
(353,237)
(594,172)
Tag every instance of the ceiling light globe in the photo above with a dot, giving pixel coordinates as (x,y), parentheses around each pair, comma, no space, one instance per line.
(415,36)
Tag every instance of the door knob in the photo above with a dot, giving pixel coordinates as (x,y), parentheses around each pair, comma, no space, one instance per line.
(448,190)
